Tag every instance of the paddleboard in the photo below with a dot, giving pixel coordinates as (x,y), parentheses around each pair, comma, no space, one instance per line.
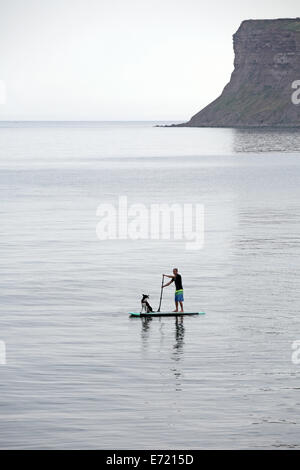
(164,314)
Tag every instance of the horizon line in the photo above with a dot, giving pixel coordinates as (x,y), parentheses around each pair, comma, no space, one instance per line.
(91,120)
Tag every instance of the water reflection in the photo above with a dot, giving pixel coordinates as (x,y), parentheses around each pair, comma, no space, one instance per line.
(176,352)
(266,140)
(179,338)
(146,322)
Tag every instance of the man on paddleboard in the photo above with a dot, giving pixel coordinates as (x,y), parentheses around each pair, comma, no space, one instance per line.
(178,288)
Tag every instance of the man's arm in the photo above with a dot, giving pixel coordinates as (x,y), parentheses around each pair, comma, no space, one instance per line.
(170,282)
(166,285)
(167,275)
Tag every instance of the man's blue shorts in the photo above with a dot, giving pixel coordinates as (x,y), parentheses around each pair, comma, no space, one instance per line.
(179,295)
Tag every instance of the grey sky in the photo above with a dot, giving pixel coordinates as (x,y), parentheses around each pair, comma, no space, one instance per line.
(120,59)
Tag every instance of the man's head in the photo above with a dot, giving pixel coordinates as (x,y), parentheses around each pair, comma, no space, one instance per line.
(175,271)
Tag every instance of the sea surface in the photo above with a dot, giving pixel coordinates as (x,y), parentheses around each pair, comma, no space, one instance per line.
(79,372)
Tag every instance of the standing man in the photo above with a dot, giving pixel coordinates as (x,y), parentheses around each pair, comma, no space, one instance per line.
(178,289)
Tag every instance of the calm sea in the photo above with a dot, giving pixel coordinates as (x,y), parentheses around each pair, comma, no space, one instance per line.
(80,373)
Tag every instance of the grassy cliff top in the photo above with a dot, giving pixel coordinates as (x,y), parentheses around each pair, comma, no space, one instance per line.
(285,24)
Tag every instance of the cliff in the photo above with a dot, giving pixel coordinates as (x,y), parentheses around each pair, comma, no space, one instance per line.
(267,62)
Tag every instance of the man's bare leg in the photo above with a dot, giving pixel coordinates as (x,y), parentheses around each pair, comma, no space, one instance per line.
(176,304)
(181,306)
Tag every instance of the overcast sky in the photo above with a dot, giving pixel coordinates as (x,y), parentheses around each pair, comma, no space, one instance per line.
(119,59)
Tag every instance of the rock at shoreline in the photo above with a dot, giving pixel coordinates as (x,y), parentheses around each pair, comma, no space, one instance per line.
(259,94)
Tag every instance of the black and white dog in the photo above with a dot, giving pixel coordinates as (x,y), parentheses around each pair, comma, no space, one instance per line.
(146,307)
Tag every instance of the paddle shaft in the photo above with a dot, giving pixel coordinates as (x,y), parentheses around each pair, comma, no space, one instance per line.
(161,293)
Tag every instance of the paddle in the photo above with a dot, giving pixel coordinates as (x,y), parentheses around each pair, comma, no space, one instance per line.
(161,293)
